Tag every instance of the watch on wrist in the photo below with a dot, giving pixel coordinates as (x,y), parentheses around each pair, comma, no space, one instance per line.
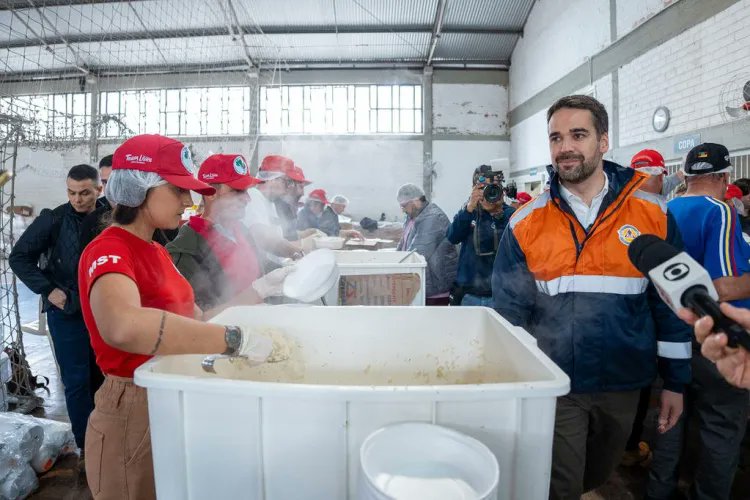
(233,339)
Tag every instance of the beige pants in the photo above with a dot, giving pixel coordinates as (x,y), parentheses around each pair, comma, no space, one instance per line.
(118,443)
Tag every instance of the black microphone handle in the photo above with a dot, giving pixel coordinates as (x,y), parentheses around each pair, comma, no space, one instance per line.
(700,302)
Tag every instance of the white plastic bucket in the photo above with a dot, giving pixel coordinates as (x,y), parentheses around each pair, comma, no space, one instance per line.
(416,461)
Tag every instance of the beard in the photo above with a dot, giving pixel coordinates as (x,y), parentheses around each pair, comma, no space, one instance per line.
(577,174)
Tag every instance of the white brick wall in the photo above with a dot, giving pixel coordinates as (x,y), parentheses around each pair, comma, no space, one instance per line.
(558,37)
(528,142)
(687,75)
(464,109)
(633,13)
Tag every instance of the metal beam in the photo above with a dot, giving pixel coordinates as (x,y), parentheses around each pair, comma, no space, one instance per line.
(143,25)
(241,65)
(233,24)
(436,29)
(115,36)
(22,4)
(78,62)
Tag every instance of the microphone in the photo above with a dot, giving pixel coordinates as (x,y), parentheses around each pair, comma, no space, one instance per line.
(682,282)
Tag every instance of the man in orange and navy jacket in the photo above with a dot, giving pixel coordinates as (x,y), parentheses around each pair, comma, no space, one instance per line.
(562,272)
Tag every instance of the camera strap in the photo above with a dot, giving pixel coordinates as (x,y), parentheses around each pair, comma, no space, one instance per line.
(495,235)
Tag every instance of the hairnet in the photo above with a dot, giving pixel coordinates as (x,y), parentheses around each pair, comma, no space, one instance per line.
(129,187)
(409,192)
(341,199)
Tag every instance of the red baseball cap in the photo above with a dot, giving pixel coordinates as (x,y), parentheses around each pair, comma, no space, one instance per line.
(297,175)
(648,158)
(274,166)
(733,191)
(227,169)
(167,157)
(319,195)
(523,197)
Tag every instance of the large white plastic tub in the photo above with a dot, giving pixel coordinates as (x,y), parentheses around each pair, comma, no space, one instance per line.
(294,432)
(359,262)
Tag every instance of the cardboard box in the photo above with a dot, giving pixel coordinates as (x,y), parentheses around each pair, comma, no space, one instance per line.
(379,289)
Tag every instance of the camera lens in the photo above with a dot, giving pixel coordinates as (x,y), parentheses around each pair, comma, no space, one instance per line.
(492,193)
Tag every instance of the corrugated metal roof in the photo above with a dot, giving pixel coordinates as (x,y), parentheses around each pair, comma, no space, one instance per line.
(509,14)
(173,32)
(347,47)
(392,13)
(475,47)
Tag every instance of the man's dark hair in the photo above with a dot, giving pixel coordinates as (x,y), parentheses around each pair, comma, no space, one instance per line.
(83,172)
(744,185)
(598,112)
(105,162)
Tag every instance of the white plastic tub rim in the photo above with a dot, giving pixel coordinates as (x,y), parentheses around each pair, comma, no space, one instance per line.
(152,374)
(388,449)
(414,260)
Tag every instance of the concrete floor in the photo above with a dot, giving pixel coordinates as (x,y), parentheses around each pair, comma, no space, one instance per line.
(63,482)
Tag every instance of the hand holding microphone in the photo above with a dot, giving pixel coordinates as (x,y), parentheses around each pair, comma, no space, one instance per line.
(682,282)
(733,364)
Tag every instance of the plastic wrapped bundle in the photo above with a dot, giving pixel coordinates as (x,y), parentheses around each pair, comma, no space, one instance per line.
(18,484)
(57,440)
(22,437)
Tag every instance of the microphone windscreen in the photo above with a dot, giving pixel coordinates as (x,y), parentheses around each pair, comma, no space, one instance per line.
(648,251)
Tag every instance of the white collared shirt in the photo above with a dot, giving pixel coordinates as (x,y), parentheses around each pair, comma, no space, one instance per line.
(585,214)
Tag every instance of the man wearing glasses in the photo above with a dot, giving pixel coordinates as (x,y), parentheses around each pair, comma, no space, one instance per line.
(424,233)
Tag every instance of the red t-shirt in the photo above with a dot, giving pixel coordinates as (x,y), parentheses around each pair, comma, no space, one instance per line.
(159,284)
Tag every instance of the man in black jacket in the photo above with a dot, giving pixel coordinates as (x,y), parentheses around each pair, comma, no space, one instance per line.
(45,259)
(95,222)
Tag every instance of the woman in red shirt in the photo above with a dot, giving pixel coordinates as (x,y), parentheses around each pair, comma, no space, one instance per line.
(136,304)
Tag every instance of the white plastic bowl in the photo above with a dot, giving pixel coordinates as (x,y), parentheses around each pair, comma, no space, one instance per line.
(330,242)
(416,460)
(315,274)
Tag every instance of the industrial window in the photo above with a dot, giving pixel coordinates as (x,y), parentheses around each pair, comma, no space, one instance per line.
(50,117)
(340,109)
(211,111)
(741,164)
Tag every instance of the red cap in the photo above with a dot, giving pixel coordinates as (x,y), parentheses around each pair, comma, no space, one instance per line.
(297,175)
(319,195)
(523,197)
(648,158)
(274,166)
(164,156)
(227,169)
(733,191)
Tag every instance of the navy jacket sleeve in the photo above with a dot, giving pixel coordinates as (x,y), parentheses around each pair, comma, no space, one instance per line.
(460,228)
(329,222)
(24,258)
(513,285)
(673,336)
(306,220)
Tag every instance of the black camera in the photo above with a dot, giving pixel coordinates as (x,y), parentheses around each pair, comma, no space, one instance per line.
(493,181)
(492,193)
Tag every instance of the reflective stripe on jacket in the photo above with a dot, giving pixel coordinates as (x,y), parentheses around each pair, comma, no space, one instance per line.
(589,308)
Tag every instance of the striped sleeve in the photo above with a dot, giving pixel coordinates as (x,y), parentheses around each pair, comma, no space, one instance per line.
(722,231)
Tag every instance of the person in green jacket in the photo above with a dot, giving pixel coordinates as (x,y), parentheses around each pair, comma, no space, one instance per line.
(215,251)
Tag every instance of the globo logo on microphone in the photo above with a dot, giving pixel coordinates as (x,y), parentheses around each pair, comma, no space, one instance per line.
(676,271)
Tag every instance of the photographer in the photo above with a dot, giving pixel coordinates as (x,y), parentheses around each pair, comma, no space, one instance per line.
(478,226)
